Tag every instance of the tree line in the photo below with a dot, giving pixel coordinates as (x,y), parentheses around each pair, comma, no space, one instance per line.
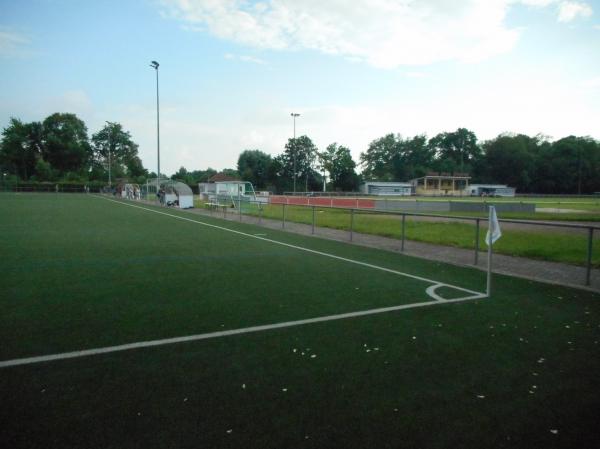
(58,149)
(570,165)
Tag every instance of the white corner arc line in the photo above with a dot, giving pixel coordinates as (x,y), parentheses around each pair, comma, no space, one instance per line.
(210,335)
(300,248)
(89,352)
(431,292)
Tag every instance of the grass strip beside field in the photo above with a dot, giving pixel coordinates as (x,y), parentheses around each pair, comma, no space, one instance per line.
(553,244)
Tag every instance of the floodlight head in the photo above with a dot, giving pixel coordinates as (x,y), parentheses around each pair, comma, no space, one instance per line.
(154,64)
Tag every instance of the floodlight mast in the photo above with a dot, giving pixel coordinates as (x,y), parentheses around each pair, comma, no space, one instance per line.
(155,65)
(109,175)
(294,115)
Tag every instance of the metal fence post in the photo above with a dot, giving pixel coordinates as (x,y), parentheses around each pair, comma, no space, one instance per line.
(403,230)
(313,220)
(351,224)
(283,220)
(259,213)
(477,242)
(589,255)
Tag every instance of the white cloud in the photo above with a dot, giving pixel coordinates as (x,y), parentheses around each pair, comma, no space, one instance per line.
(383,33)
(537,3)
(251,59)
(244,58)
(415,74)
(569,11)
(11,42)
(592,83)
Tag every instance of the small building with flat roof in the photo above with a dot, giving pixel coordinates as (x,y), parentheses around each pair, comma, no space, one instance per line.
(386,188)
(490,190)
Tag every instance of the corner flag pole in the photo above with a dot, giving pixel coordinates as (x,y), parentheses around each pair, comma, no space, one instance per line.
(489,258)
(493,234)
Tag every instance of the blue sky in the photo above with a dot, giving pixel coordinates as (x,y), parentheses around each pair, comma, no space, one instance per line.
(232,71)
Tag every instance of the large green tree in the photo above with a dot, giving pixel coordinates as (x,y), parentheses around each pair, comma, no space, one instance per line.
(115,142)
(300,153)
(511,159)
(376,161)
(65,143)
(456,151)
(337,160)
(253,166)
(414,158)
(393,158)
(574,165)
(21,148)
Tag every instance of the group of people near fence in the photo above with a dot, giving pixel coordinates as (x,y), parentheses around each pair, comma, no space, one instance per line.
(129,191)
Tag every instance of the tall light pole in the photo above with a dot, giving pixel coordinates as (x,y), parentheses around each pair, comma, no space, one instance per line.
(109,178)
(294,115)
(155,65)
(109,144)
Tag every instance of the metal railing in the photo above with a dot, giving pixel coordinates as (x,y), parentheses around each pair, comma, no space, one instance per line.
(477,221)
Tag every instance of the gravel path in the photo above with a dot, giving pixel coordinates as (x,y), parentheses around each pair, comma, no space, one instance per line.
(549,272)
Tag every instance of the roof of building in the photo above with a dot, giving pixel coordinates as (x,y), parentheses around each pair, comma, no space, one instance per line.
(491,186)
(220,177)
(388,183)
(442,175)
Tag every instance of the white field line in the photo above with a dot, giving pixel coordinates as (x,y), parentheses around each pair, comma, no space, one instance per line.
(207,336)
(145,344)
(474,294)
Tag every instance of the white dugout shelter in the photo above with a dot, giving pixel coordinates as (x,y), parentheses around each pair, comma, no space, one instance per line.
(177,193)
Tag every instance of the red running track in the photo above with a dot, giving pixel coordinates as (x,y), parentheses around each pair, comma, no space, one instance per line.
(358,203)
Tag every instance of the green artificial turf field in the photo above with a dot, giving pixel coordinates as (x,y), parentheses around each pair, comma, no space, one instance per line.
(83,272)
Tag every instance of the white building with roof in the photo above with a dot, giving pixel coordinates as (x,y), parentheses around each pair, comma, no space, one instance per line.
(386,188)
(490,190)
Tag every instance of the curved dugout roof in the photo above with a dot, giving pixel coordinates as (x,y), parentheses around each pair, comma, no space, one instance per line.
(180,188)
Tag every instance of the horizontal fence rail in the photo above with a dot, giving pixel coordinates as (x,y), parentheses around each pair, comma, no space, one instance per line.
(589,230)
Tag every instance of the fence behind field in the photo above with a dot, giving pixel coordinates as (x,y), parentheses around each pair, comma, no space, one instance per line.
(359,223)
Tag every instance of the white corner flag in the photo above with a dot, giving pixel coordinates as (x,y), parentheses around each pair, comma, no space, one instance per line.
(492,235)
(494,232)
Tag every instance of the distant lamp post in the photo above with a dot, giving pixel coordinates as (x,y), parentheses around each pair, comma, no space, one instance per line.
(155,65)
(109,176)
(294,115)
(109,164)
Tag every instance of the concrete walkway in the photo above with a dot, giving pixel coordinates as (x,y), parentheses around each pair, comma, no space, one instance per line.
(549,272)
